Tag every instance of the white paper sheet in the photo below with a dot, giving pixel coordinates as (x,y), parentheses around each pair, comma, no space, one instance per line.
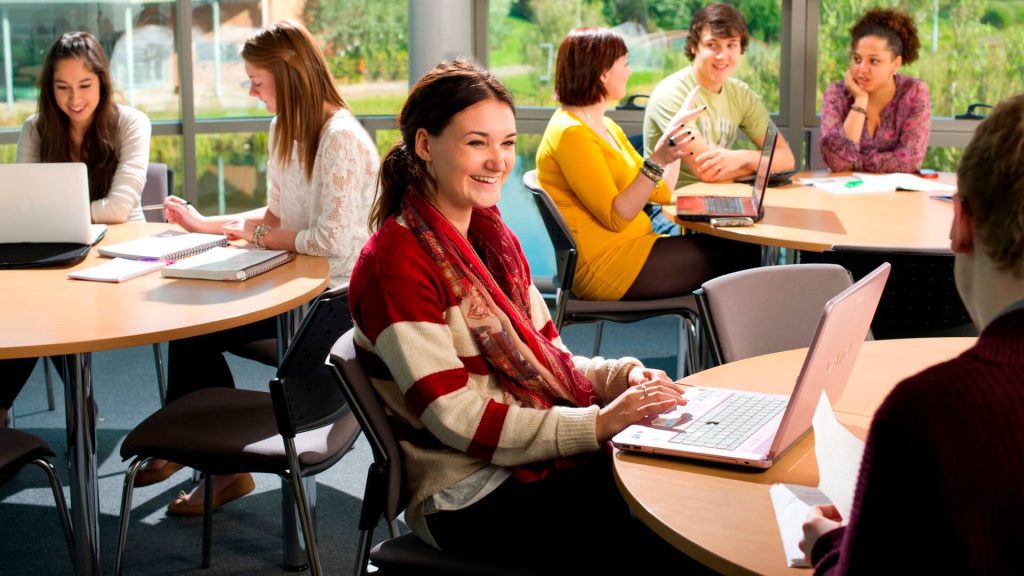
(839,453)
(860,183)
(792,503)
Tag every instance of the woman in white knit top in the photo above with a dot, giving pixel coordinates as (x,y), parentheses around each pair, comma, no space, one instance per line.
(322,173)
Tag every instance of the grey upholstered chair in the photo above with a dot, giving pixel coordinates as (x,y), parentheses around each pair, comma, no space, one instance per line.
(406,554)
(920,298)
(768,309)
(572,310)
(19,449)
(302,427)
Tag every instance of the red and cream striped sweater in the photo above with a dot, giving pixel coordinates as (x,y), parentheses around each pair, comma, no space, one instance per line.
(452,416)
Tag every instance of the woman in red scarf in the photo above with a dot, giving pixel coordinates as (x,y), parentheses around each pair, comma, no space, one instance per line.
(502,429)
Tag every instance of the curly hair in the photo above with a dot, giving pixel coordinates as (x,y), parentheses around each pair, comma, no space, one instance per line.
(897,28)
(991,184)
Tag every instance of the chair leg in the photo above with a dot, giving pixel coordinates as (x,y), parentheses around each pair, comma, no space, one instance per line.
(58,497)
(50,402)
(161,378)
(363,552)
(207,519)
(126,510)
(305,518)
(597,337)
(393,529)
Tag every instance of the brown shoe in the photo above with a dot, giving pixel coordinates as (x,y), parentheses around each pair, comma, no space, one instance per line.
(240,487)
(148,475)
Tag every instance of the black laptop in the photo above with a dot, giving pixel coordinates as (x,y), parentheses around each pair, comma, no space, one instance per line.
(704,208)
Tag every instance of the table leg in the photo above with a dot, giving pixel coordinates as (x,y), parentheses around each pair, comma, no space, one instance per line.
(81,435)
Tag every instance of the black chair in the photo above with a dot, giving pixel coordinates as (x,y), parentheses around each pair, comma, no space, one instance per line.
(17,450)
(302,427)
(401,555)
(920,298)
(572,310)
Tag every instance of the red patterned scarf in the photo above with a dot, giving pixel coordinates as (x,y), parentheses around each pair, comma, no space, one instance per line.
(491,284)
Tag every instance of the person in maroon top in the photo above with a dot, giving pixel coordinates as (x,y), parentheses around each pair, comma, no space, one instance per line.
(939,489)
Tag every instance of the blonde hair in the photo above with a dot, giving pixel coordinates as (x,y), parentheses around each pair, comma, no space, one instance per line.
(303,84)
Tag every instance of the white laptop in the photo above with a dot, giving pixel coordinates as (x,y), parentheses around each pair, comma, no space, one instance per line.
(44,215)
(752,428)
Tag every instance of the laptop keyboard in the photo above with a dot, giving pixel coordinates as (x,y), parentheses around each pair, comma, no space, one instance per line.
(724,205)
(731,422)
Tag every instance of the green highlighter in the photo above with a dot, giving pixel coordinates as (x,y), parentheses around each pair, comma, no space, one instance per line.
(853,183)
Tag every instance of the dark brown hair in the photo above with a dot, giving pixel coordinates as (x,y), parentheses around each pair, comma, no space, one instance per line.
(723,21)
(302,85)
(895,27)
(437,97)
(991,183)
(584,55)
(99,143)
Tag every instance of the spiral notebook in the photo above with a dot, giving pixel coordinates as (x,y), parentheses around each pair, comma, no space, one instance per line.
(228,264)
(169,245)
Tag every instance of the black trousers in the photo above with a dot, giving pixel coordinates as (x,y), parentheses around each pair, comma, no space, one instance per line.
(677,265)
(14,373)
(198,362)
(570,522)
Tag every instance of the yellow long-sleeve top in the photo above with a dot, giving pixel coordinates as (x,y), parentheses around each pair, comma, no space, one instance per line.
(584,173)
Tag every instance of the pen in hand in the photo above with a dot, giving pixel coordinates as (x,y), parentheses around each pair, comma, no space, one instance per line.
(160,206)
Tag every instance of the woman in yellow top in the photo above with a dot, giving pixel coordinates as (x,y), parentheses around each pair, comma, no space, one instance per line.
(601,185)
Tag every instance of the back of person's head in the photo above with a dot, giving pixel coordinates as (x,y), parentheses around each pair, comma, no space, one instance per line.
(990,182)
(586,54)
(723,21)
(442,93)
(895,27)
(302,86)
(99,147)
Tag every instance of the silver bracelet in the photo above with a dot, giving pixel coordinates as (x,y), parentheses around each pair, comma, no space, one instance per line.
(258,234)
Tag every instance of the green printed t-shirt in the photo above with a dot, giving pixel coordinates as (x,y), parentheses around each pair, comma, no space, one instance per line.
(735,107)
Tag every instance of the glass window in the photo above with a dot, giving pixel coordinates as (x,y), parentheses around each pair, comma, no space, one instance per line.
(365,43)
(232,172)
(970,51)
(519,210)
(138,40)
(167,149)
(524,37)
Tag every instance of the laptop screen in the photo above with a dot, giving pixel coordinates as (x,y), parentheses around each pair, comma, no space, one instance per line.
(764,166)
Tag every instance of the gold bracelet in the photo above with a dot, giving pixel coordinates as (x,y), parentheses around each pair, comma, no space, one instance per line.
(856,108)
(258,234)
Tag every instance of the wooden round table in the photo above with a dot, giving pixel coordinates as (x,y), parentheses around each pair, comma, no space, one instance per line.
(43,313)
(805,218)
(723,516)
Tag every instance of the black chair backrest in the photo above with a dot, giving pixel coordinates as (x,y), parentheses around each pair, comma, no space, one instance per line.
(384,480)
(565,247)
(920,296)
(304,393)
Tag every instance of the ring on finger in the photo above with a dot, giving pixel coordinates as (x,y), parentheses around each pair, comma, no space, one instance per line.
(671,141)
(643,388)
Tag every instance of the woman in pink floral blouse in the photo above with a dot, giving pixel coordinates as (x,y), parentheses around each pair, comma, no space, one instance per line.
(876,120)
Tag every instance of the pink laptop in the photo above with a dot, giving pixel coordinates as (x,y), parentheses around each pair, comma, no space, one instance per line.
(752,428)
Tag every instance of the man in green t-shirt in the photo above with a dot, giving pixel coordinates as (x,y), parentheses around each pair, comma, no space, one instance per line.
(717,40)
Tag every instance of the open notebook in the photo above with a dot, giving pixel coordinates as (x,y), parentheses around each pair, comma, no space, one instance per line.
(169,245)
